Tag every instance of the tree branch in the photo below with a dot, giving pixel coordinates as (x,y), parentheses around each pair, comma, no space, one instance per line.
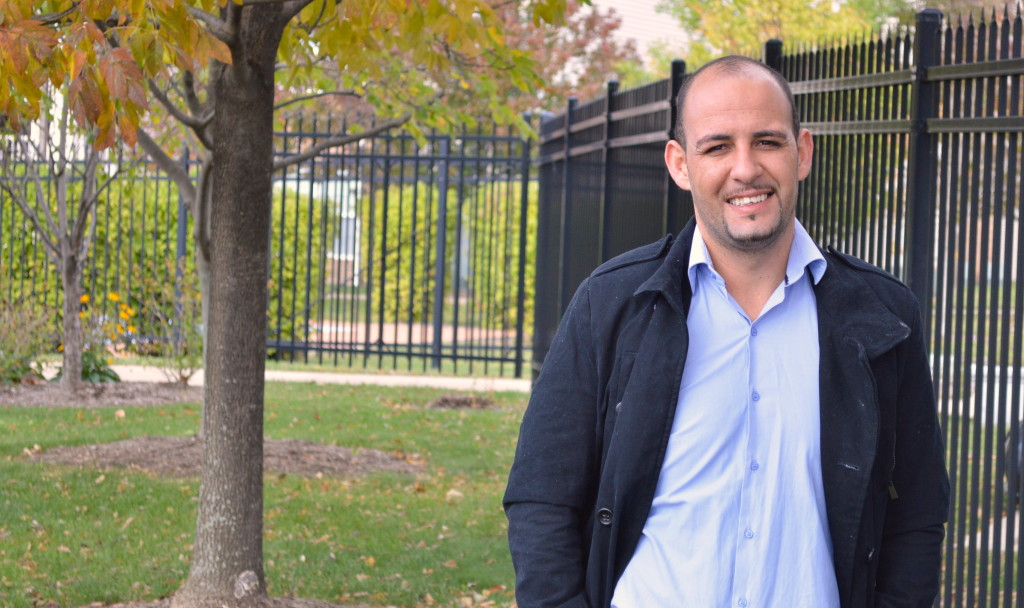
(90,196)
(171,167)
(190,94)
(51,248)
(221,30)
(291,7)
(54,18)
(339,140)
(315,96)
(193,122)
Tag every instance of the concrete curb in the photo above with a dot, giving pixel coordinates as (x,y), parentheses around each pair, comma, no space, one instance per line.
(142,373)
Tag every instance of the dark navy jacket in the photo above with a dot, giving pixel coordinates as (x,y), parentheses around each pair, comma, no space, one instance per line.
(594,435)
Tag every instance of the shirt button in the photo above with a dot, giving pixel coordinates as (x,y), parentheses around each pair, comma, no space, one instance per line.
(753,331)
(748,533)
(756,396)
(742,603)
(754,466)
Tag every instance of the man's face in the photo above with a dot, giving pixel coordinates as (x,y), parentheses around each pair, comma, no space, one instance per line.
(742,161)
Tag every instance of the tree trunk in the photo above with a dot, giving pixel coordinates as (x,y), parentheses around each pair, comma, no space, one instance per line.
(227,558)
(71,370)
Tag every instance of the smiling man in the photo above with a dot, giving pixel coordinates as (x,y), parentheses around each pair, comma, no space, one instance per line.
(732,417)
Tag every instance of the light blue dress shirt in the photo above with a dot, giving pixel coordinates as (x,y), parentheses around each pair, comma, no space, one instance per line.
(738,517)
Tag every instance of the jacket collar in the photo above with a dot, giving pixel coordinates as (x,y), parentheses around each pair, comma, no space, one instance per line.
(852,308)
(854,311)
(670,278)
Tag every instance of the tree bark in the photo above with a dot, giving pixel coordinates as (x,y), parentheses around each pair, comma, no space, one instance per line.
(227,558)
(71,370)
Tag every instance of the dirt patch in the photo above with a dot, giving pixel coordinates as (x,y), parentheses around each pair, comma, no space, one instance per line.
(458,401)
(273,602)
(99,394)
(181,456)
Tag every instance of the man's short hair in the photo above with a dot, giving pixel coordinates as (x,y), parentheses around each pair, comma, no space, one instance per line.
(732,64)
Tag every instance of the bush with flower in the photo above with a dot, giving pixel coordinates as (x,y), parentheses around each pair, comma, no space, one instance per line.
(103,336)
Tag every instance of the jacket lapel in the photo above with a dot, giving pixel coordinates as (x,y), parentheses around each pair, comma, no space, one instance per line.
(853,328)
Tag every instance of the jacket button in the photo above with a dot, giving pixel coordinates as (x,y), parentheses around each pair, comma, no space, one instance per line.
(605,517)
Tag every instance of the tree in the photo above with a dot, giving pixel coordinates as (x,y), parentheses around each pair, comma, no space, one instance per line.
(729,26)
(213,66)
(576,59)
(53,174)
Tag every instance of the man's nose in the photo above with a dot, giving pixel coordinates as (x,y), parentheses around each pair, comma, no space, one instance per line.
(746,165)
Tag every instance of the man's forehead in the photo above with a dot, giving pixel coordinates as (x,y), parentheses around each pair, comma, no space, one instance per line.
(752,75)
(702,98)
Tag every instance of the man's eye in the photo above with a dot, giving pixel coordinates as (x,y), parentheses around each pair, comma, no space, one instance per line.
(768,143)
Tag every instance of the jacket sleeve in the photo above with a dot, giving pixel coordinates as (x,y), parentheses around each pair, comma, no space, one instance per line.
(911,549)
(552,480)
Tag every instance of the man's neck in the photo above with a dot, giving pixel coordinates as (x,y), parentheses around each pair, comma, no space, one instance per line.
(752,277)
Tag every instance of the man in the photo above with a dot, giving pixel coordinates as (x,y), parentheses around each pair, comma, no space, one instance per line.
(732,417)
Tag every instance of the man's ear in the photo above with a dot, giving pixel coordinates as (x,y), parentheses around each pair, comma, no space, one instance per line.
(805,152)
(675,160)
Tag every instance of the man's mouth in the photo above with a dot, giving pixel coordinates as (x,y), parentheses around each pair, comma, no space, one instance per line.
(745,201)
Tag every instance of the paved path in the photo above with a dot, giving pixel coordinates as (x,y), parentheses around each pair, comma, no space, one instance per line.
(141,373)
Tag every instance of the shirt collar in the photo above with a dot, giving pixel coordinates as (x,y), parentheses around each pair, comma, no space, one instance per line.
(803,255)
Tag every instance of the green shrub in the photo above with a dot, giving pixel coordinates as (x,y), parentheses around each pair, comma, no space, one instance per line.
(25,334)
(170,322)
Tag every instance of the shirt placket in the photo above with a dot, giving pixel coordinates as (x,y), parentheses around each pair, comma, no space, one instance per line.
(752,493)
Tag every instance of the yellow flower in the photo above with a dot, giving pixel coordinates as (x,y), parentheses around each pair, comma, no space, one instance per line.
(82,314)
(131,329)
(130,311)
(124,315)
(60,348)
(113,297)
(84,299)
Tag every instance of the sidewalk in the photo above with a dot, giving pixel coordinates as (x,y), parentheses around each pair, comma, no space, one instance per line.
(141,373)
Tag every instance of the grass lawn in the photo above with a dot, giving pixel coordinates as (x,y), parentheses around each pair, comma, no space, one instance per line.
(75,536)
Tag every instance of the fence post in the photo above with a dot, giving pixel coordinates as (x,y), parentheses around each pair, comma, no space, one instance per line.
(524,209)
(602,236)
(566,218)
(771,55)
(922,167)
(671,219)
(439,252)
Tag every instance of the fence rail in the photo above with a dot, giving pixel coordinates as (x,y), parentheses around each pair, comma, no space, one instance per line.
(918,169)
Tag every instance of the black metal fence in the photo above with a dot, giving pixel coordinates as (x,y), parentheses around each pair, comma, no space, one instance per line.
(390,252)
(918,136)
